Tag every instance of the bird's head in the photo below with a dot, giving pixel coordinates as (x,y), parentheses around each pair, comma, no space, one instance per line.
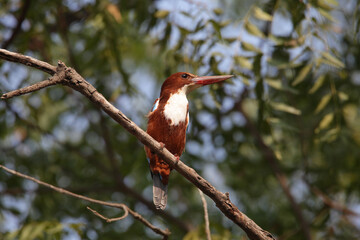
(188,82)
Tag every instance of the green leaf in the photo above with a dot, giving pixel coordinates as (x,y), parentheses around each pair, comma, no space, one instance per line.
(77,227)
(274,83)
(32,231)
(260,14)
(326,4)
(161,13)
(217,27)
(318,83)
(249,47)
(326,14)
(224,23)
(302,74)
(332,2)
(323,102)
(343,96)
(254,30)
(333,60)
(243,62)
(184,31)
(285,108)
(12,235)
(230,39)
(246,81)
(277,84)
(55,228)
(330,135)
(218,11)
(280,123)
(325,122)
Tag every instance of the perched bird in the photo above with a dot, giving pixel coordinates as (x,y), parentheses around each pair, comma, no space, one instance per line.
(167,123)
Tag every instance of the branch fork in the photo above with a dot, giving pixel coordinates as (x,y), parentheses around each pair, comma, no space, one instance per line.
(67,76)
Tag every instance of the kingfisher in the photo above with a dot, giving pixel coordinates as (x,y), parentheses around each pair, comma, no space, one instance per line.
(167,124)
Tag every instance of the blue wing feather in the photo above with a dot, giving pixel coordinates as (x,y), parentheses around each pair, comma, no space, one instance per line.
(155,106)
(188,123)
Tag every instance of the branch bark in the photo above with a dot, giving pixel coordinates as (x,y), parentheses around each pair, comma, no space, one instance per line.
(119,182)
(126,209)
(75,81)
(206,216)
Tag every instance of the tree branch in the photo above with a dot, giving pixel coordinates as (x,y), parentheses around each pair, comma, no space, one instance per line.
(120,184)
(329,202)
(126,209)
(28,61)
(109,220)
(75,81)
(206,216)
(35,87)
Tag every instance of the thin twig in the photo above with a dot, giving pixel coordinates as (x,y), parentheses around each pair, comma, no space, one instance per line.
(331,203)
(109,220)
(122,187)
(78,83)
(66,192)
(206,216)
(56,79)
(27,61)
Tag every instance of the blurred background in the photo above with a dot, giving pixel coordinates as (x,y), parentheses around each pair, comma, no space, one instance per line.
(282,137)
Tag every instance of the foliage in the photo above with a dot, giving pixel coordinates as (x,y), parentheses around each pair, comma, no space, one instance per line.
(298,60)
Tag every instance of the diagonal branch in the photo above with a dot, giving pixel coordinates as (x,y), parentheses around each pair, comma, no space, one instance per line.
(121,185)
(126,209)
(329,202)
(75,81)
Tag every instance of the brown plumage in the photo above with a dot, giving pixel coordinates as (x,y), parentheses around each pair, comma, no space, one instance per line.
(167,123)
(173,137)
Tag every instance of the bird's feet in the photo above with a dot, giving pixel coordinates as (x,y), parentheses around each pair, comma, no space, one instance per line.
(177,159)
(162,145)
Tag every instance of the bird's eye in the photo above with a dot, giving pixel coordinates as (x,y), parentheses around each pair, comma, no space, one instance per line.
(184,75)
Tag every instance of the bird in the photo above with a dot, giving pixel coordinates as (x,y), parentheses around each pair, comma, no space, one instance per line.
(167,124)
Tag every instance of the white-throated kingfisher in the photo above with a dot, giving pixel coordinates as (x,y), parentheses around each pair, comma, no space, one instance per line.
(167,123)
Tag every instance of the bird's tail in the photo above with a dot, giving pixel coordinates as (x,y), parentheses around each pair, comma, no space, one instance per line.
(159,192)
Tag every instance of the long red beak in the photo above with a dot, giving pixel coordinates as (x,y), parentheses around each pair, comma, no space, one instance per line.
(206,80)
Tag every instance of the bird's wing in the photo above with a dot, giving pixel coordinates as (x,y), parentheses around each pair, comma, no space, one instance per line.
(187,122)
(156,104)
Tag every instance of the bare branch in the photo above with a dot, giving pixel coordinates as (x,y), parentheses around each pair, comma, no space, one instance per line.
(121,185)
(119,179)
(56,79)
(136,215)
(109,220)
(329,202)
(78,83)
(28,61)
(206,216)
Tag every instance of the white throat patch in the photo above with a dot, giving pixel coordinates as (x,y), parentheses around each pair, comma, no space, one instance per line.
(176,107)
